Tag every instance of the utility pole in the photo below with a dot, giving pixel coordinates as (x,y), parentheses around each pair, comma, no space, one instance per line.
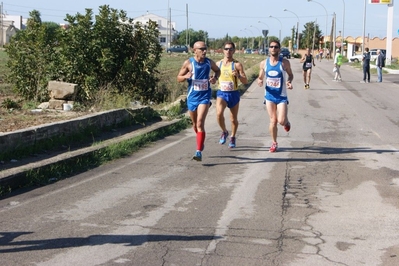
(364,25)
(389,34)
(334,33)
(187,44)
(1,25)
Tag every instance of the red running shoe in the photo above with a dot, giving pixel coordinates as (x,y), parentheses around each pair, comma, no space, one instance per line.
(273,148)
(287,126)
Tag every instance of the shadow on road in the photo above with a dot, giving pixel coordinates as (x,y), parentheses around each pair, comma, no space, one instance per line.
(131,240)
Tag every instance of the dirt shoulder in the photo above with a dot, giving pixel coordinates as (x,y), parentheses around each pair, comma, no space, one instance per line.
(12,120)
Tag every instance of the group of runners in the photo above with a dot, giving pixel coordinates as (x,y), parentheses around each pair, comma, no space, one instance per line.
(275,71)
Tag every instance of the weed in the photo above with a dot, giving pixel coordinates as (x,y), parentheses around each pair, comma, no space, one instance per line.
(10,104)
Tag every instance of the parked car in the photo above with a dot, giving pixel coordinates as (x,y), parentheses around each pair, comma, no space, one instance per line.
(373,56)
(263,52)
(247,51)
(284,52)
(177,49)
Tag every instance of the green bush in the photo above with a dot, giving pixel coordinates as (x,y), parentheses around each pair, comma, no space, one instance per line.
(109,52)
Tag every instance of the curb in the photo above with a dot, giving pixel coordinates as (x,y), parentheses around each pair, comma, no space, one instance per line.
(18,177)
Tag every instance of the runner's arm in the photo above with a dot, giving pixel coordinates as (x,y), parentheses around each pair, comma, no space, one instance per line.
(185,72)
(261,75)
(240,73)
(216,71)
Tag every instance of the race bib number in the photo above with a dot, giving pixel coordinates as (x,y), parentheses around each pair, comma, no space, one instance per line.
(226,86)
(273,82)
(200,84)
(308,65)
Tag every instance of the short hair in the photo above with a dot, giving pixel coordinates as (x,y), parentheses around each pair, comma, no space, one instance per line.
(231,43)
(367,49)
(279,45)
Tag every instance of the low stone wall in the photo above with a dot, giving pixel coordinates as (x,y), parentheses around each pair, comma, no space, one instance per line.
(30,136)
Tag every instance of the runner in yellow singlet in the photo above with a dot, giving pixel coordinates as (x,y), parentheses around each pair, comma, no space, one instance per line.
(228,95)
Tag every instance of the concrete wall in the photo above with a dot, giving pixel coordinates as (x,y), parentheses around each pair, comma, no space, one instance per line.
(27,137)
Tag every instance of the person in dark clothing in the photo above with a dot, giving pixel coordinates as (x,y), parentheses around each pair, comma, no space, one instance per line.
(366,66)
(380,63)
(308,62)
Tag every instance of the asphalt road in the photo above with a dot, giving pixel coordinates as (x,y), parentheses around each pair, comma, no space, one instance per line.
(329,196)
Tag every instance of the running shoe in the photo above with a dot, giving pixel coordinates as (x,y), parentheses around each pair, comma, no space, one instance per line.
(198,156)
(273,148)
(232,143)
(307,86)
(223,137)
(287,126)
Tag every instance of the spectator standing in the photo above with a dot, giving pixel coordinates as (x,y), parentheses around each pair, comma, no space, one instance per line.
(380,63)
(366,66)
(196,71)
(337,65)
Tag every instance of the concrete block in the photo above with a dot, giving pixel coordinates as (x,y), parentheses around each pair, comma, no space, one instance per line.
(56,104)
(62,90)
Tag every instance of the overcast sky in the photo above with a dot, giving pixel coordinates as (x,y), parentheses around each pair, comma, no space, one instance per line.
(235,18)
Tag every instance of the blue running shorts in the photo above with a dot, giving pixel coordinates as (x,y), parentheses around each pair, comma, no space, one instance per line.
(230,97)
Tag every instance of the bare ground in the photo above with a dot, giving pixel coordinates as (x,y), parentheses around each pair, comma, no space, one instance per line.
(16,119)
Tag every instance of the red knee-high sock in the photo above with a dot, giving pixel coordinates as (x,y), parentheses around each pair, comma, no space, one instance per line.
(200,140)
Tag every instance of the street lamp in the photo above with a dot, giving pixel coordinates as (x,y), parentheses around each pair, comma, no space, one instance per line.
(281,27)
(268,28)
(297,29)
(260,33)
(252,37)
(244,30)
(343,29)
(325,41)
(264,24)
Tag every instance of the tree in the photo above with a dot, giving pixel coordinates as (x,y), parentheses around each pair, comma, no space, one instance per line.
(286,41)
(33,56)
(306,39)
(110,53)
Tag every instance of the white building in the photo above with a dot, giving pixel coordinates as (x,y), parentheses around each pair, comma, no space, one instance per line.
(10,24)
(167,33)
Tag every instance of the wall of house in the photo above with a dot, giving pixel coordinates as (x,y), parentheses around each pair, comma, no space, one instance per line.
(374,43)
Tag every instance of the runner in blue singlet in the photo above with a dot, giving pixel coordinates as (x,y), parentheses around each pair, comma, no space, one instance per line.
(196,71)
(278,73)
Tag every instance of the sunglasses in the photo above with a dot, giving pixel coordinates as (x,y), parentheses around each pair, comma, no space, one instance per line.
(229,49)
(275,46)
(203,48)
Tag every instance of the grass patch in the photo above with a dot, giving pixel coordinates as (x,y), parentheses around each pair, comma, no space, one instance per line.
(67,168)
